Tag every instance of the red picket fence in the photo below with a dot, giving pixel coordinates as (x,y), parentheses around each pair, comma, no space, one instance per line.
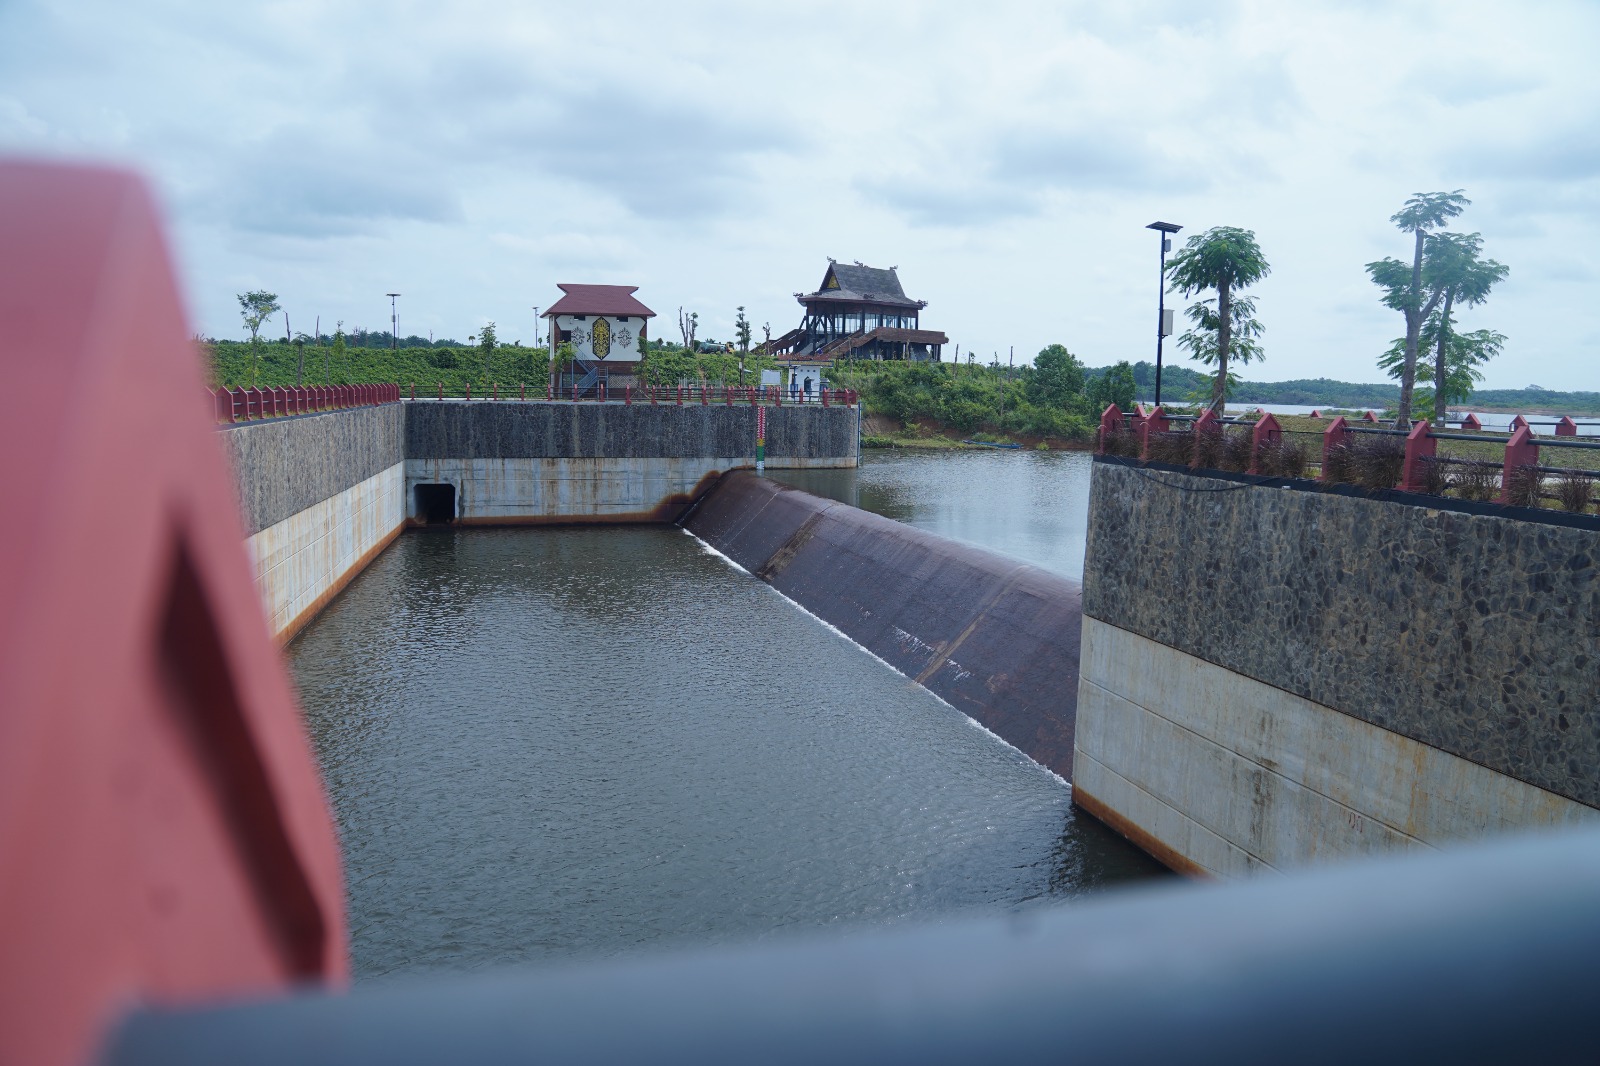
(250,404)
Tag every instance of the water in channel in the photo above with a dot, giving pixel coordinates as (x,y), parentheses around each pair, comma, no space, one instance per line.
(551,743)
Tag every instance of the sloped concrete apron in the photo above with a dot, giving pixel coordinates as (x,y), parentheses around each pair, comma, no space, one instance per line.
(995,638)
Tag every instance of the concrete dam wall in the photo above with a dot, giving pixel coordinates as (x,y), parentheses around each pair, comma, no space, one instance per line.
(1274,675)
(996,638)
(530,463)
(323,494)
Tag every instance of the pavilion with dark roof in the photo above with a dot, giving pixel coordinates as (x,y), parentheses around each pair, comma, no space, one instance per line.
(858,312)
(606,327)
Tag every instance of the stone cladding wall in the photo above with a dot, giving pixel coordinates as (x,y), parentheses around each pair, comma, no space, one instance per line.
(488,430)
(1472,633)
(285,465)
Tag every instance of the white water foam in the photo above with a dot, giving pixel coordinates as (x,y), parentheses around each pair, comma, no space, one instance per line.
(886,664)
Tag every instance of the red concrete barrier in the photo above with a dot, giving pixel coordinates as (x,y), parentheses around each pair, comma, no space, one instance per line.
(164,835)
(1154,422)
(1337,435)
(1266,432)
(1420,447)
(1521,450)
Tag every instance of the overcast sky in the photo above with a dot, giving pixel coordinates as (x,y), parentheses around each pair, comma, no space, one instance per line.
(1006,157)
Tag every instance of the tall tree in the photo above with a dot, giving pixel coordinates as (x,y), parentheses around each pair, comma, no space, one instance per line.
(486,344)
(1057,377)
(1452,267)
(741,330)
(1227,259)
(1404,286)
(1464,354)
(256,307)
(1245,333)
(688,325)
(1114,386)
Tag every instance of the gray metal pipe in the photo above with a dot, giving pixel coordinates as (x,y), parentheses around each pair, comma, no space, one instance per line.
(1487,954)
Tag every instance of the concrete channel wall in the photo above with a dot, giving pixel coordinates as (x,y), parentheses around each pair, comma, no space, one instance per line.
(996,638)
(1274,675)
(530,463)
(321,495)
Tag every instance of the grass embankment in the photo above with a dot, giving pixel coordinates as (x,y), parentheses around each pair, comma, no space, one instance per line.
(427,368)
(455,368)
(938,405)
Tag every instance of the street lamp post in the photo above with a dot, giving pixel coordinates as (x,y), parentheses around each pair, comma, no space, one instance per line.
(394,322)
(1163,319)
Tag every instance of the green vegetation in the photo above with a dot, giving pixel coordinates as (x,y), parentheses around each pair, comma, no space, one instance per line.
(1446,270)
(1052,400)
(1226,259)
(235,363)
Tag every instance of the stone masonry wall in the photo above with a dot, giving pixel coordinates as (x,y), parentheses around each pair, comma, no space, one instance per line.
(283,466)
(487,430)
(1472,633)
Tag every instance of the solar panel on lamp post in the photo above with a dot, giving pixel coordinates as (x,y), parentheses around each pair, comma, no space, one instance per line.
(1163,322)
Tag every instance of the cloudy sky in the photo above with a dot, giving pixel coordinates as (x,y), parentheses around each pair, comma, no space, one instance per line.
(1005,156)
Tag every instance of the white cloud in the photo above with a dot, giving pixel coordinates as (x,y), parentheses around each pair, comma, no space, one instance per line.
(1006,157)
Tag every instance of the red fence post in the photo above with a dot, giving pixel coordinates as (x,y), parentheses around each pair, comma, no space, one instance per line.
(1420,445)
(496,394)
(1518,422)
(680,394)
(1370,417)
(1207,423)
(727,396)
(703,399)
(627,395)
(1337,435)
(524,393)
(1154,422)
(1521,450)
(1566,427)
(1110,422)
(1266,431)
(1471,422)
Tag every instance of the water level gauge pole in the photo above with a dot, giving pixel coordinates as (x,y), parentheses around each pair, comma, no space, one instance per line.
(761,439)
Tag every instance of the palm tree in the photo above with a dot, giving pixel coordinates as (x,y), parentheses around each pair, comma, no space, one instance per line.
(1224,258)
(1423,212)
(1453,270)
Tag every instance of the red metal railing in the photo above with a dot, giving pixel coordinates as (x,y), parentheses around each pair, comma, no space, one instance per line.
(677,395)
(250,404)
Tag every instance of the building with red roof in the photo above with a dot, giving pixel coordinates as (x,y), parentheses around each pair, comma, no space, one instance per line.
(606,326)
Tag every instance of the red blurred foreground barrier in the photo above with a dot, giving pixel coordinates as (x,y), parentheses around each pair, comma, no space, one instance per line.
(164,835)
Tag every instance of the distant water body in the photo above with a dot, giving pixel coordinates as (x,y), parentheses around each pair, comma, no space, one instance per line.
(558,743)
(1031,505)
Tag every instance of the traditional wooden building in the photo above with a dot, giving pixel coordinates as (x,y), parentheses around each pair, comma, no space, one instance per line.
(858,312)
(605,325)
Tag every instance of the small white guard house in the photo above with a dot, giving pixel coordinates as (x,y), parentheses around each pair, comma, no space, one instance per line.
(604,324)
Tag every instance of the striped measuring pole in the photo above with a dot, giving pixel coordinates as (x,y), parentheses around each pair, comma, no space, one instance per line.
(761,439)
